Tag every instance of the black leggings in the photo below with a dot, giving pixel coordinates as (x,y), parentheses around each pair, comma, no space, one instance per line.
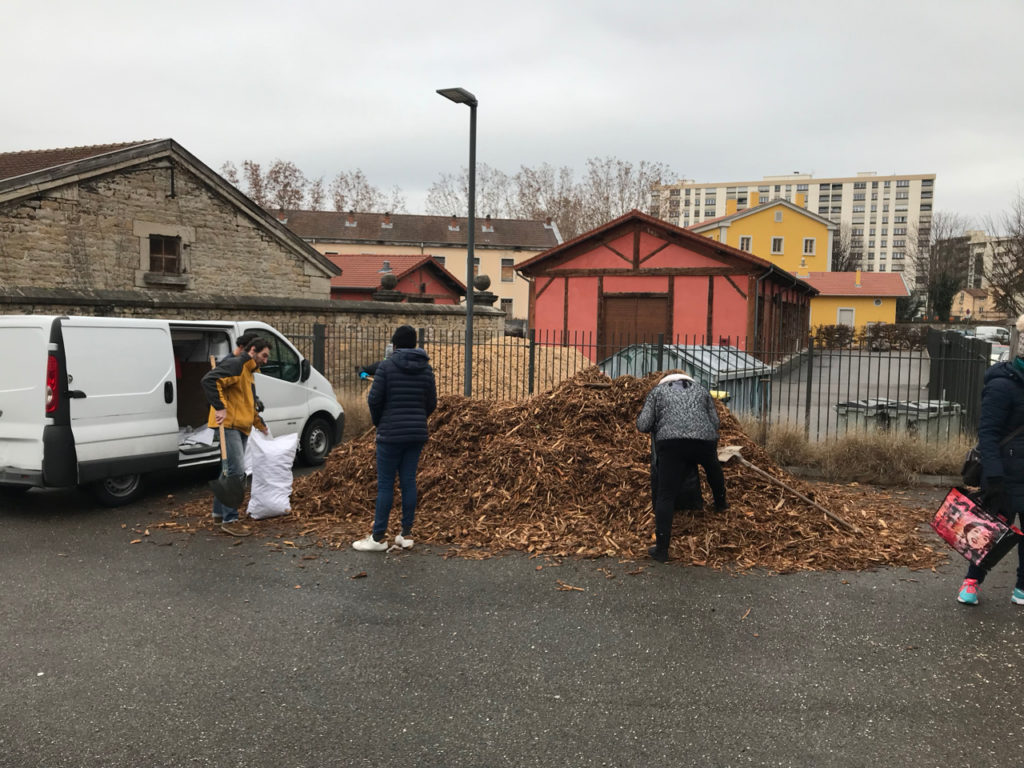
(675,458)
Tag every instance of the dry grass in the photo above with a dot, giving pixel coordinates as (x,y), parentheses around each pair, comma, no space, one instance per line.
(357,413)
(882,458)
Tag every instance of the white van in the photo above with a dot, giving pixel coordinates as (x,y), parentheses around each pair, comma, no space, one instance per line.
(98,402)
(993,333)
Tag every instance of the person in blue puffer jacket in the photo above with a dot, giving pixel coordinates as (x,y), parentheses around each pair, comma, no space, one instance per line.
(1002,466)
(401,398)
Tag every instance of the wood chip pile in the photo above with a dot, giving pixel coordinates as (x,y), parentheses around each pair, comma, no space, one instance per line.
(501,367)
(566,473)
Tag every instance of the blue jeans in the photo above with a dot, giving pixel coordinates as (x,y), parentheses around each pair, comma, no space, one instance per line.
(234,441)
(392,458)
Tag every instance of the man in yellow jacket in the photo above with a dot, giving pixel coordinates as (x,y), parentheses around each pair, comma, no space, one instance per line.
(230,390)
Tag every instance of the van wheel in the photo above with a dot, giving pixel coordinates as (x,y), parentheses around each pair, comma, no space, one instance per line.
(317,441)
(118,491)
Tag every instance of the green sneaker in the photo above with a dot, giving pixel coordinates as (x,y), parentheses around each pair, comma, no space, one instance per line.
(969,592)
(1017,598)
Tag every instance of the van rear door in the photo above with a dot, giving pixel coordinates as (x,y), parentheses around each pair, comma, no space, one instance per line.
(24,342)
(121,390)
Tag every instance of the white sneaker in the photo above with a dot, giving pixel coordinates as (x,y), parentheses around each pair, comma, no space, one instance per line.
(369,545)
(403,541)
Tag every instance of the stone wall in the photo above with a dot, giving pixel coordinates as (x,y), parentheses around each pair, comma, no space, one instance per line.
(93,235)
(357,331)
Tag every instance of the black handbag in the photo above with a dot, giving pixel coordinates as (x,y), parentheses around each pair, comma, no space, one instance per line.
(970,472)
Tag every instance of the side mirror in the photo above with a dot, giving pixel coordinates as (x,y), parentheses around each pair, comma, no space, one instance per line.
(305,370)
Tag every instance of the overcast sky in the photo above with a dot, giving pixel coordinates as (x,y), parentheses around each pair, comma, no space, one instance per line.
(718,90)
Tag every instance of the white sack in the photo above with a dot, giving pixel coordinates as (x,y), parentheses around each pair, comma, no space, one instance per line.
(249,449)
(272,460)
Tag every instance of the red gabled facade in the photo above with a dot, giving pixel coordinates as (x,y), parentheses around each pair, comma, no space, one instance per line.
(641,276)
(420,278)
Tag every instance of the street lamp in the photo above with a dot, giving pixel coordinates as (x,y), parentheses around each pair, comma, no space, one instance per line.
(462,96)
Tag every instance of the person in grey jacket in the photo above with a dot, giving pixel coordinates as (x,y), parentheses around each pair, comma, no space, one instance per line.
(401,398)
(682,415)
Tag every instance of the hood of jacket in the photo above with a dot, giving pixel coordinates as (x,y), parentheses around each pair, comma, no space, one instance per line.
(410,360)
(1004,370)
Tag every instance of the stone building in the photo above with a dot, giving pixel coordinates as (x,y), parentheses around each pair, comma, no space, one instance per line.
(147,218)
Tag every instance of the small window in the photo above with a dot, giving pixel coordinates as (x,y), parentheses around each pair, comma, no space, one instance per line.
(778,215)
(165,254)
(508,273)
(777,245)
(745,243)
(476,267)
(878,302)
(506,306)
(808,246)
(438,259)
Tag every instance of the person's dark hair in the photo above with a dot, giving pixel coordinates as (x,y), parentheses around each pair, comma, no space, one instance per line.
(243,341)
(257,344)
(404,337)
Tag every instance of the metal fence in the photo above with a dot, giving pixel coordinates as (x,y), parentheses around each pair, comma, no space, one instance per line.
(930,389)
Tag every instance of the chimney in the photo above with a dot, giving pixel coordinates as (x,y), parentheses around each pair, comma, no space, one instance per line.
(801,199)
(856,280)
(350,219)
(730,206)
(488,226)
(755,198)
(385,267)
(453,225)
(547,223)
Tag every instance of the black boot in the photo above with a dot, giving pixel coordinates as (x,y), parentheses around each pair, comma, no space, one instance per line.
(659,551)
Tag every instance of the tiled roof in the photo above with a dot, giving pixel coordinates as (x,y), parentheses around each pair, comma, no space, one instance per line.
(331,226)
(844,283)
(19,163)
(364,270)
(706,224)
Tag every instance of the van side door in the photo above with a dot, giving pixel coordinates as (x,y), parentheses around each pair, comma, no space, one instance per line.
(280,388)
(122,399)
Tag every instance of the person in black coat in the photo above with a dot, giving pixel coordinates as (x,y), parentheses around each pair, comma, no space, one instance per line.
(401,398)
(1002,466)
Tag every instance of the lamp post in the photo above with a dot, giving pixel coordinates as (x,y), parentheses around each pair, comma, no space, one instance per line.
(462,96)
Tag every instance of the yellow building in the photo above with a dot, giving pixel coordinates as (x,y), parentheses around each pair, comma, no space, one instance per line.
(856,298)
(778,231)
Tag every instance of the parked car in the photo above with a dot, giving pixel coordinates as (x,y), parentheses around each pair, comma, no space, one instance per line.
(1000,353)
(99,402)
(993,333)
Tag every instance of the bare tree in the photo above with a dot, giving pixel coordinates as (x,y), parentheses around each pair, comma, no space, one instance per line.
(610,188)
(940,252)
(449,195)
(352,191)
(548,192)
(842,258)
(285,185)
(230,172)
(315,194)
(254,185)
(1006,272)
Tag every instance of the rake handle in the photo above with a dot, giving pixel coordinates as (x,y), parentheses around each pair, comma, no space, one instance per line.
(223,448)
(793,490)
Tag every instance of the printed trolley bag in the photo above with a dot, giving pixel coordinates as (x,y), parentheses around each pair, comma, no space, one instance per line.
(980,536)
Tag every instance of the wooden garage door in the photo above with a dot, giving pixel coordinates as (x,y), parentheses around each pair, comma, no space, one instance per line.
(633,319)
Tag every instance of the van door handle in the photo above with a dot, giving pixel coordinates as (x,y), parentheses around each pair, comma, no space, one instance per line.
(168,392)
(76,394)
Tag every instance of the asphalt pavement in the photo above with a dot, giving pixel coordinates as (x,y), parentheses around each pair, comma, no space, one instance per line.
(203,650)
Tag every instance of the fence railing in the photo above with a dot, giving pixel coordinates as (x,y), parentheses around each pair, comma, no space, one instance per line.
(930,387)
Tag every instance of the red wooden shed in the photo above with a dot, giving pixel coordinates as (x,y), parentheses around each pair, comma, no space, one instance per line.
(637,277)
(420,278)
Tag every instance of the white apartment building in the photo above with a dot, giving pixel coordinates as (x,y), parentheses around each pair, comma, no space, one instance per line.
(878,215)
